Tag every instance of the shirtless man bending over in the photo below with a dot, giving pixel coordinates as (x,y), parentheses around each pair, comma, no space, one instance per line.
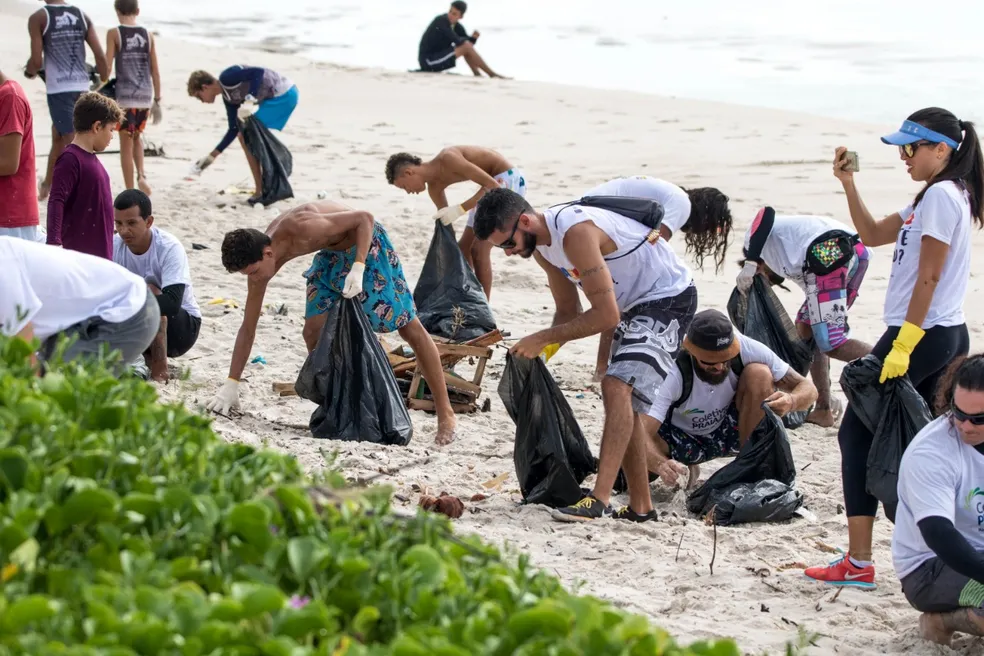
(483,166)
(350,249)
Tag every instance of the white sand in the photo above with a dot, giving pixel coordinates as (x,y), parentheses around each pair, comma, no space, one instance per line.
(566,139)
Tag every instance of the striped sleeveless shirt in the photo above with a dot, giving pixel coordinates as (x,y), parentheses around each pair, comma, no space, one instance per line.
(134,84)
(63,42)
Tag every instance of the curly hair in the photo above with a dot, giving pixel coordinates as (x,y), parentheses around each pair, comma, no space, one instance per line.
(242,247)
(198,81)
(707,230)
(396,163)
(496,208)
(92,108)
(966,372)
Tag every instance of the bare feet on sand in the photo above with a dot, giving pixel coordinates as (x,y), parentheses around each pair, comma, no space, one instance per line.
(142,184)
(446,432)
(932,628)
(694,476)
(826,417)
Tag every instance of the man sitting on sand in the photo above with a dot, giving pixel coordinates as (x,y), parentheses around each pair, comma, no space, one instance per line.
(484,166)
(714,397)
(827,260)
(446,39)
(275,95)
(634,281)
(350,249)
(159,258)
(48,292)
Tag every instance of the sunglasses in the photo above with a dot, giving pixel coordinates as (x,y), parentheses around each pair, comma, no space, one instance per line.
(510,241)
(909,150)
(960,415)
(713,364)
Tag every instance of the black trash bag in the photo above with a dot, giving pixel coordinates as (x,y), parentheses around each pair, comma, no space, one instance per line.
(349,376)
(761,316)
(765,501)
(766,457)
(894,412)
(450,301)
(109,89)
(550,454)
(274,158)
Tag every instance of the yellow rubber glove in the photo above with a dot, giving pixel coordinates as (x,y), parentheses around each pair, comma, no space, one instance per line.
(549,351)
(897,361)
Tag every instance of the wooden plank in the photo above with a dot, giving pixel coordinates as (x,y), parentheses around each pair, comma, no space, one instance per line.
(463,386)
(463,351)
(284,389)
(488,339)
(428,406)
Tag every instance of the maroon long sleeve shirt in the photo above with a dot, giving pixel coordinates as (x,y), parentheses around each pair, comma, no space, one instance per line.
(80,206)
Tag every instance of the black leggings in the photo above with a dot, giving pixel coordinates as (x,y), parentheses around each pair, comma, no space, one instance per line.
(937,349)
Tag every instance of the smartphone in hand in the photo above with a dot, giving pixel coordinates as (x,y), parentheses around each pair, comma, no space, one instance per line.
(851,162)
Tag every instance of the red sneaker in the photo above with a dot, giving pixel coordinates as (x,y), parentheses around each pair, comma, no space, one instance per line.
(843,572)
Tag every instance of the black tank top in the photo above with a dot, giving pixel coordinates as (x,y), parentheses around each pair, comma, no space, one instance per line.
(64,50)
(134,85)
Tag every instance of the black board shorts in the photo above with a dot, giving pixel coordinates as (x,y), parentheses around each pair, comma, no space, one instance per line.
(436,62)
(182,333)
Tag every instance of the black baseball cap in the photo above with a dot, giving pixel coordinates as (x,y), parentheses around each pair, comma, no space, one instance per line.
(711,337)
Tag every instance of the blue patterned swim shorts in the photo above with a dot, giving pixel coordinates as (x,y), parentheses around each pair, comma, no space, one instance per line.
(386,299)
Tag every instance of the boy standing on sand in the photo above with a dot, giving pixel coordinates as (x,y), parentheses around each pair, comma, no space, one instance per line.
(80,208)
(484,166)
(59,32)
(351,249)
(276,98)
(18,184)
(138,86)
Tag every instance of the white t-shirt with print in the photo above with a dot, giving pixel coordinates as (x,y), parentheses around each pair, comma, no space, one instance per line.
(675,201)
(164,264)
(940,476)
(943,214)
(707,406)
(55,288)
(641,273)
(785,249)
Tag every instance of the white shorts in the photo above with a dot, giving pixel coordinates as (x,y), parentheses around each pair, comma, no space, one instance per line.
(511,179)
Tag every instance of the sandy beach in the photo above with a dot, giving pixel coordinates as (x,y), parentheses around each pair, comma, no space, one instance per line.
(566,139)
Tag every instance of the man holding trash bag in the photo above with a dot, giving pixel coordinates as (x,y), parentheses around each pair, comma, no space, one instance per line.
(634,283)
(711,402)
(353,258)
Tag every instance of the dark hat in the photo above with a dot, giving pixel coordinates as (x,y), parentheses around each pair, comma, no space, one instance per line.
(711,337)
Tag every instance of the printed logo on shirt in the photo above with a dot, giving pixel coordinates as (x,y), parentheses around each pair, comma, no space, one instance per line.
(135,41)
(969,499)
(66,20)
(973,505)
(574,275)
(693,411)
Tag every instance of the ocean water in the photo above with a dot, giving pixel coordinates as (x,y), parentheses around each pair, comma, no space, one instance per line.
(871,60)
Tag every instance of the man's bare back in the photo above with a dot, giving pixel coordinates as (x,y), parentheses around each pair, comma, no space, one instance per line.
(448,173)
(310,228)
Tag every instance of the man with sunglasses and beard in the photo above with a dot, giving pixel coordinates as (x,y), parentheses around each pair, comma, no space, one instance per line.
(636,284)
(712,400)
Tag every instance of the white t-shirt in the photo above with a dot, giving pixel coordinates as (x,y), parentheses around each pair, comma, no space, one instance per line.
(708,404)
(164,264)
(943,214)
(785,249)
(940,476)
(675,201)
(55,288)
(641,273)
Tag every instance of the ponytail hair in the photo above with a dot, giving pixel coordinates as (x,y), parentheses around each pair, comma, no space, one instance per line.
(966,164)
(966,372)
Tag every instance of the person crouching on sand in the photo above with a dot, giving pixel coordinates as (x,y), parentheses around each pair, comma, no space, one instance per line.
(275,95)
(938,545)
(350,247)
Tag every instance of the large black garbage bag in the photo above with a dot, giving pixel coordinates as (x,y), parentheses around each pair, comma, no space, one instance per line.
(757,486)
(450,301)
(550,454)
(761,316)
(349,376)
(894,412)
(274,158)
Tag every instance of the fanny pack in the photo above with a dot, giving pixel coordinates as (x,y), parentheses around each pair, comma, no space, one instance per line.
(830,251)
(646,211)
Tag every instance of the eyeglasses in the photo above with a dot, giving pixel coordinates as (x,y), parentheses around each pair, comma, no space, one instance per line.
(510,241)
(960,415)
(909,150)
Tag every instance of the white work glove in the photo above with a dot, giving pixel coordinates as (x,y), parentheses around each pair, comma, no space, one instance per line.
(244,112)
(353,281)
(226,399)
(204,162)
(746,276)
(447,215)
(155,113)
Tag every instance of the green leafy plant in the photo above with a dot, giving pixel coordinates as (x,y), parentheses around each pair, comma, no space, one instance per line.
(128,527)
